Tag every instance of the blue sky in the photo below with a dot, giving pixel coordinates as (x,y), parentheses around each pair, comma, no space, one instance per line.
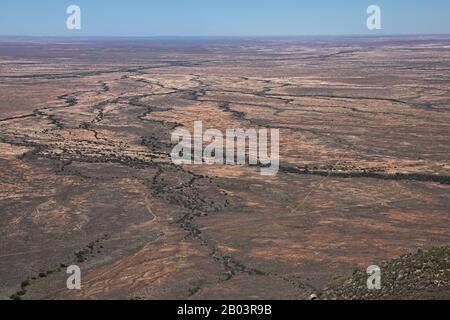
(222,17)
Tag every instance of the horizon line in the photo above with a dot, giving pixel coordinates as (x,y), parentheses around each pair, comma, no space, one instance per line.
(225,36)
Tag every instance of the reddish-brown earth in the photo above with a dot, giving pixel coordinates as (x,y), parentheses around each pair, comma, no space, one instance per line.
(86,176)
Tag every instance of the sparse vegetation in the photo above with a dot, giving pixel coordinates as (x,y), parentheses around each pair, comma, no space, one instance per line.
(422,275)
(80,257)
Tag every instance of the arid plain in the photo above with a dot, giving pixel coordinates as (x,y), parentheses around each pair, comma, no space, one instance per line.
(86,176)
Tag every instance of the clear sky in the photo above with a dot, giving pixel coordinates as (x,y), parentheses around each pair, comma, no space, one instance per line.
(222,17)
